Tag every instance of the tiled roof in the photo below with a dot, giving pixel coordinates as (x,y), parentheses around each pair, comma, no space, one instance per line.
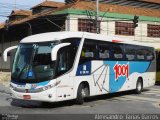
(92,6)
(117,9)
(49,4)
(72,1)
(152,1)
(21,12)
(31,17)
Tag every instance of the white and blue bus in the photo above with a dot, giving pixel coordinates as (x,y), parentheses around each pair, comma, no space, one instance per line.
(60,66)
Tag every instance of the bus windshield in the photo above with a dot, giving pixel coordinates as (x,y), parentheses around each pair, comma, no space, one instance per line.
(33,62)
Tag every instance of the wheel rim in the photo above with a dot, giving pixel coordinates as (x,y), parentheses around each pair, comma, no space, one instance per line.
(139,86)
(83,93)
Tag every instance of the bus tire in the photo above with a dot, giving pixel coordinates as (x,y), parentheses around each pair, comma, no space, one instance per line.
(83,92)
(139,86)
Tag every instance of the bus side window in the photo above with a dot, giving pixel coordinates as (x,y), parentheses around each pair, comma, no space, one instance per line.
(63,60)
(140,53)
(88,51)
(130,52)
(117,51)
(104,50)
(149,54)
(72,49)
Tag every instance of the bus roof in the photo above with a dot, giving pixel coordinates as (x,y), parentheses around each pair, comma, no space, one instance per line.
(54,36)
(51,36)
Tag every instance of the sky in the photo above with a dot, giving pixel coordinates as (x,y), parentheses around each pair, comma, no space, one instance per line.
(6,6)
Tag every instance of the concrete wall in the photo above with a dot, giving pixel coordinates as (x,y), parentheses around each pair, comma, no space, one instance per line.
(6,65)
(71,23)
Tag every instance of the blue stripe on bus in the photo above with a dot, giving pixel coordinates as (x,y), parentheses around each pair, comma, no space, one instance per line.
(42,83)
(115,85)
(134,67)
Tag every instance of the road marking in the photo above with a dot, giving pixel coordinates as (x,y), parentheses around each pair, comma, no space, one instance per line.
(146,93)
(124,98)
(155,89)
(157,105)
(152,91)
(143,98)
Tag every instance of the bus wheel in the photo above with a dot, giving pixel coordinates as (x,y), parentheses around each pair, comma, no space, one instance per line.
(139,86)
(83,91)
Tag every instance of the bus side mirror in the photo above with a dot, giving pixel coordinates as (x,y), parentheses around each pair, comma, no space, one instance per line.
(6,51)
(55,50)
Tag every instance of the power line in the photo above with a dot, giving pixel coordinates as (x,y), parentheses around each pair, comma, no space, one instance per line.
(10,4)
(12,7)
(6,8)
(3,16)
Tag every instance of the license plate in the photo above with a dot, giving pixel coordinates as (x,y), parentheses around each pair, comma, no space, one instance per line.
(26,97)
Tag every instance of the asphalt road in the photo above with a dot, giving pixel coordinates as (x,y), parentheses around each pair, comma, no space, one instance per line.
(118,103)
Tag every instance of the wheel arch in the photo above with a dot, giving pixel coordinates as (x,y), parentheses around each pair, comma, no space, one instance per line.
(86,83)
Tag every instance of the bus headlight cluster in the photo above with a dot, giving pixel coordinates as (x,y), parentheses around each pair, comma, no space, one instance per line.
(35,90)
(47,87)
(50,86)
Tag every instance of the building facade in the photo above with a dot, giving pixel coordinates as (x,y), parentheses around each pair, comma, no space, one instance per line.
(115,19)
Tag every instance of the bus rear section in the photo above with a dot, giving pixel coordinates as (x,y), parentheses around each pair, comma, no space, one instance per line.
(158,66)
(111,67)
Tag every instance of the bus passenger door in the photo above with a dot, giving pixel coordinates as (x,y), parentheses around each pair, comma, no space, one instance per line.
(64,64)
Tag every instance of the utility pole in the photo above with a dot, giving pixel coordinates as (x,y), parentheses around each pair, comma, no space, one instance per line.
(97,16)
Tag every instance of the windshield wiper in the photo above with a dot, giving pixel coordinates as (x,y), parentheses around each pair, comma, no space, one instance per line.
(30,62)
(22,70)
(35,47)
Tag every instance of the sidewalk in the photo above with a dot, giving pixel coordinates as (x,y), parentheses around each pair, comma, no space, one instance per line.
(5,78)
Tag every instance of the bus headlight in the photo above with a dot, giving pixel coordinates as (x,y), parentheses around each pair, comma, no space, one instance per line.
(47,87)
(50,86)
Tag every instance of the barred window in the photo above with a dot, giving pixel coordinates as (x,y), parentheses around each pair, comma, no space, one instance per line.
(153,30)
(87,25)
(123,28)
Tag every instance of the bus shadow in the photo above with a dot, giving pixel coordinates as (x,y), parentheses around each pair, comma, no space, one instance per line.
(38,104)
(109,96)
(157,83)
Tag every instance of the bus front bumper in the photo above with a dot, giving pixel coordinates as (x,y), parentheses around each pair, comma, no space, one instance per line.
(46,95)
